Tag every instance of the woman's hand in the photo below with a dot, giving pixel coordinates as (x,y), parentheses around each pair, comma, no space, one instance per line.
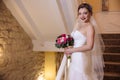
(68,51)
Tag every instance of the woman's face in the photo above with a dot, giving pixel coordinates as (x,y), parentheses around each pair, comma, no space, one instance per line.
(84,15)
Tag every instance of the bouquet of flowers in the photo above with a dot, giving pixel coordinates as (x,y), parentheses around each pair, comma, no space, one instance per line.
(64,41)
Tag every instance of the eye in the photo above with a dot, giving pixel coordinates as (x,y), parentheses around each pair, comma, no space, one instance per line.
(85,12)
(79,13)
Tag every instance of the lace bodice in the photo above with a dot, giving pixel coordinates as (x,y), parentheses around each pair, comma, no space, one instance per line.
(79,38)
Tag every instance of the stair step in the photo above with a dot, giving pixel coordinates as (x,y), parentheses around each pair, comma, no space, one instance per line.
(113,63)
(112,67)
(112,49)
(113,57)
(111,76)
(111,41)
(111,36)
(112,45)
(112,54)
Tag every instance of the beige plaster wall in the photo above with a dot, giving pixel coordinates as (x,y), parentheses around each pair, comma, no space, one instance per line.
(114,5)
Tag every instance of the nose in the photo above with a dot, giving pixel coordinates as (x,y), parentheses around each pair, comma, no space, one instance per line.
(82,16)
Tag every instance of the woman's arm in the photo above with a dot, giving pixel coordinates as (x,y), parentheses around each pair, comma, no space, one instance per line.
(89,43)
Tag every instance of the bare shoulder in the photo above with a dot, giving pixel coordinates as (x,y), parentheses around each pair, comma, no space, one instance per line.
(90,28)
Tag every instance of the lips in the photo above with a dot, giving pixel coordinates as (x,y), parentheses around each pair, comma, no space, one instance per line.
(82,18)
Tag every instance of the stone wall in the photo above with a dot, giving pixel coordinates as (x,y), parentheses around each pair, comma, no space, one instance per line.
(17,60)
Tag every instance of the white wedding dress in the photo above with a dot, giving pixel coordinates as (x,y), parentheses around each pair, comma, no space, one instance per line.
(87,65)
(81,62)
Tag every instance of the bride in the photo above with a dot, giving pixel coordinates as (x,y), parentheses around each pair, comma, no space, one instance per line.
(86,54)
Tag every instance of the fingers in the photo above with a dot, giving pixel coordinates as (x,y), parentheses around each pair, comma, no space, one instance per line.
(67,51)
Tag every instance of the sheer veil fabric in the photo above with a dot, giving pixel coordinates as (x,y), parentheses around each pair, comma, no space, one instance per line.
(97,51)
(97,55)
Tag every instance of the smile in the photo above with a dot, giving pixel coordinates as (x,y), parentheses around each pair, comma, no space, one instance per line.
(83,18)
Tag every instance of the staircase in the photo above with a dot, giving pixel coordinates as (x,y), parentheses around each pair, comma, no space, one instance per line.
(112,56)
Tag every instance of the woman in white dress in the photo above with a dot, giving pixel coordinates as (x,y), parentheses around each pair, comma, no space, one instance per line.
(86,54)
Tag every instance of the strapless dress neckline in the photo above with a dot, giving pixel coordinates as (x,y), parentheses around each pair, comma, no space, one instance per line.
(81,33)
